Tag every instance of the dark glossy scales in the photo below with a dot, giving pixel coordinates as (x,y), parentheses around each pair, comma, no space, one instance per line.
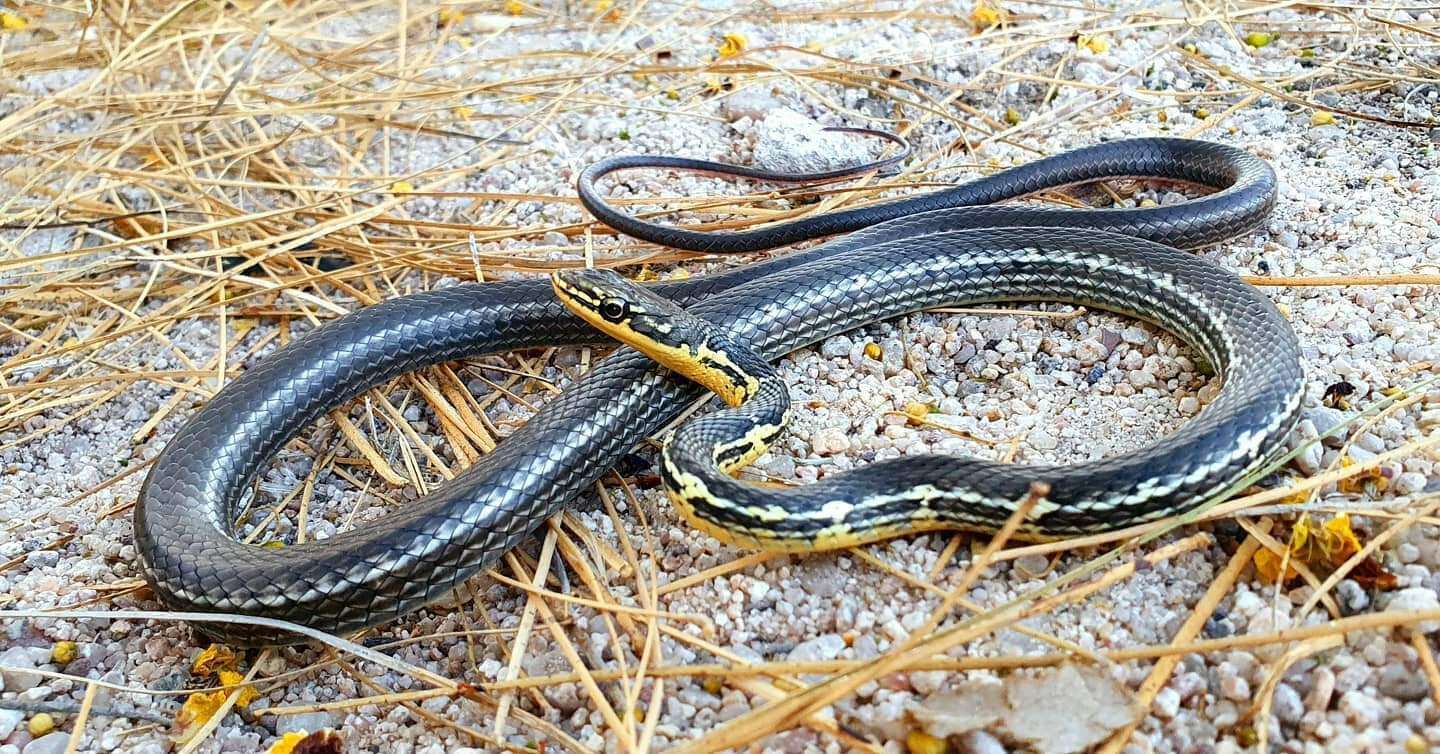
(360,578)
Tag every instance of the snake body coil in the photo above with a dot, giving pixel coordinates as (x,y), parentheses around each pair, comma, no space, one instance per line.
(928,250)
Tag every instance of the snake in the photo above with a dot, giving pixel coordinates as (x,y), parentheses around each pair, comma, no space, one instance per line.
(953,246)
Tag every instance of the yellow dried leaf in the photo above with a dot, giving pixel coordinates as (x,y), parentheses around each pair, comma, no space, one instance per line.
(731,45)
(63,653)
(1259,39)
(1370,478)
(287,743)
(1322,118)
(1295,498)
(198,709)
(920,742)
(1267,564)
(402,187)
(230,680)
(12,22)
(1342,537)
(1096,44)
(986,15)
(215,658)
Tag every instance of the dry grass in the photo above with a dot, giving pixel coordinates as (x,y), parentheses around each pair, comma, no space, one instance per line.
(246,169)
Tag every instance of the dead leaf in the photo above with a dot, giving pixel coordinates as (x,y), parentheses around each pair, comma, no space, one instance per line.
(1323,549)
(231,679)
(193,715)
(215,658)
(1068,710)
(1059,711)
(973,706)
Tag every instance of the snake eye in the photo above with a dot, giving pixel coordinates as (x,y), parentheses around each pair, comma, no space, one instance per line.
(614,309)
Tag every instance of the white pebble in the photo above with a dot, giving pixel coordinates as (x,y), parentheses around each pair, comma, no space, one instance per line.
(17,680)
(1415,599)
(1360,709)
(50,743)
(1167,703)
(1410,483)
(9,721)
(829,441)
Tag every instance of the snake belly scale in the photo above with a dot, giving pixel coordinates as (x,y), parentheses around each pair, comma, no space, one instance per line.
(943,248)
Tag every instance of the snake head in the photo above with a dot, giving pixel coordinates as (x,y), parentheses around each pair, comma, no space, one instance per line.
(657,327)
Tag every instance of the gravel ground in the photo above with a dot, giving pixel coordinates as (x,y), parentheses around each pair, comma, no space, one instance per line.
(1356,198)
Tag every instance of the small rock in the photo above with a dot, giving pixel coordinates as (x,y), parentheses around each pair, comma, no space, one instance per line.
(9,721)
(829,441)
(50,743)
(1032,566)
(1399,682)
(42,559)
(1167,703)
(1310,458)
(1135,336)
(1110,339)
(836,347)
(1416,598)
(1360,709)
(979,742)
(1042,440)
(305,722)
(1324,418)
(1235,688)
(824,647)
(927,682)
(1248,603)
(790,142)
(1318,700)
(1352,596)
(1189,685)
(1287,705)
(1409,483)
(1089,351)
(20,660)
(752,103)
